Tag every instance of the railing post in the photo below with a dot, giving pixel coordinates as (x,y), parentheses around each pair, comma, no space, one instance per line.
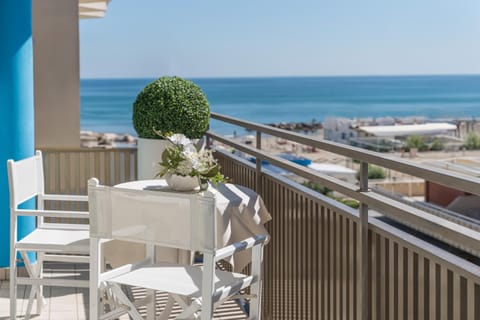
(364,256)
(258,163)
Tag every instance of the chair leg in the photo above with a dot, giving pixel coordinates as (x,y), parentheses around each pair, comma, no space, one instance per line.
(256,288)
(40,298)
(33,274)
(13,285)
(208,286)
(95,269)
(33,293)
(150,251)
(256,303)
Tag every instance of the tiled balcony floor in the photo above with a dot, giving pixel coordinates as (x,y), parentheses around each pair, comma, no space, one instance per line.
(72,303)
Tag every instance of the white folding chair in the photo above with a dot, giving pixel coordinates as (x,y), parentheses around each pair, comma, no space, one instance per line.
(177,220)
(58,242)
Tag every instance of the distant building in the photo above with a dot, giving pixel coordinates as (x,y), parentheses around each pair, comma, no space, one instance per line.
(385,138)
(339,129)
(387,133)
(465,127)
(452,199)
(405,130)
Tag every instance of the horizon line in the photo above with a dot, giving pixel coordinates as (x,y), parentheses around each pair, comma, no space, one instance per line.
(293,76)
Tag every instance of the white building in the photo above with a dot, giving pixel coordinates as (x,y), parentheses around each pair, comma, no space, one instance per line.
(405,130)
(339,129)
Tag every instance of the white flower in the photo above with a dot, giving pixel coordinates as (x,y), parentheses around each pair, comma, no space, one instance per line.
(204,161)
(184,168)
(189,149)
(183,158)
(179,139)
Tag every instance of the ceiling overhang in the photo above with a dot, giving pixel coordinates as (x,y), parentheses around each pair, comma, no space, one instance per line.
(91,9)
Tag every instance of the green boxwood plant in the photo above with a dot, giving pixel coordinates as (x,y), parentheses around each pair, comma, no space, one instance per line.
(171,105)
(374,172)
(472,142)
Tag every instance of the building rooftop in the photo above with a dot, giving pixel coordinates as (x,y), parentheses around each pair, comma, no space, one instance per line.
(401,130)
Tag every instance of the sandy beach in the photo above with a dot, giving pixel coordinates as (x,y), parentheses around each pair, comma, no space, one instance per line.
(275,145)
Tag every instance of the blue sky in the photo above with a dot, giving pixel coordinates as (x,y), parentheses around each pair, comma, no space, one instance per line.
(241,38)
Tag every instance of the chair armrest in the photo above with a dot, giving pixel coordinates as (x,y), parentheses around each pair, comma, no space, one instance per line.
(65,197)
(240,246)
(126,268)
(52,213)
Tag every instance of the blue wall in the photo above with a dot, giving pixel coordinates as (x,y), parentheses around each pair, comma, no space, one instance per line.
(16,105)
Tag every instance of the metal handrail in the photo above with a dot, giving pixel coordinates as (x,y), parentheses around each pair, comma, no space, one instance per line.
(437,175)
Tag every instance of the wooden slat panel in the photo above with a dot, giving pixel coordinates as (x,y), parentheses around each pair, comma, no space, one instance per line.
(350,278)
(67,172)
(442,302)
(410,290)
(456,303)
(344,278)
(421,288)
(391,280)
(470,300)
(384,278)
(325,262)
(331,264)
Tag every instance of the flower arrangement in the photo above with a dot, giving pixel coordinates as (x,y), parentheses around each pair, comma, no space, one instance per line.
(185,159)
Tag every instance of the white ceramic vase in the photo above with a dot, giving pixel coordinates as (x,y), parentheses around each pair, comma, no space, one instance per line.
(181,183)
(149,155)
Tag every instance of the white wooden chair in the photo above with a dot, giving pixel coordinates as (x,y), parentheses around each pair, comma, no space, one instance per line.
(59,242)
(178,220)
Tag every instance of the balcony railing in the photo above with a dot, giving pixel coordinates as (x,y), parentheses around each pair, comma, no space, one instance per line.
(68,170)
(326,260)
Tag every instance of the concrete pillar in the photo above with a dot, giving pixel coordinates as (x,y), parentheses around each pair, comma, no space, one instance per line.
(57,73)
(16,105)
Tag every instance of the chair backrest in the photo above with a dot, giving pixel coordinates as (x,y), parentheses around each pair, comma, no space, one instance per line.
(25,179)
(177,220)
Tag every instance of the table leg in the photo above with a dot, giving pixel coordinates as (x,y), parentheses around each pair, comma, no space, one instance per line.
(150,250)
(168,308)
(151,305)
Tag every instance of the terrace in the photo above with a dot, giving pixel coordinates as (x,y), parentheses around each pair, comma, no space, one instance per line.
(387,260)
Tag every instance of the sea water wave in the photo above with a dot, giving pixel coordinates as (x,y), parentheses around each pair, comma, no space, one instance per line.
(106,104)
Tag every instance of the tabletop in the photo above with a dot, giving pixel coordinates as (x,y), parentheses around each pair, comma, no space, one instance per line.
(240,213)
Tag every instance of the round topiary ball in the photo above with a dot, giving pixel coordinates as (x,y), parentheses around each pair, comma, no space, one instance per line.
(171,104)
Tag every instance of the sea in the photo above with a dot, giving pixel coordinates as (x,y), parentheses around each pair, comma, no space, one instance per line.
(106,104)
